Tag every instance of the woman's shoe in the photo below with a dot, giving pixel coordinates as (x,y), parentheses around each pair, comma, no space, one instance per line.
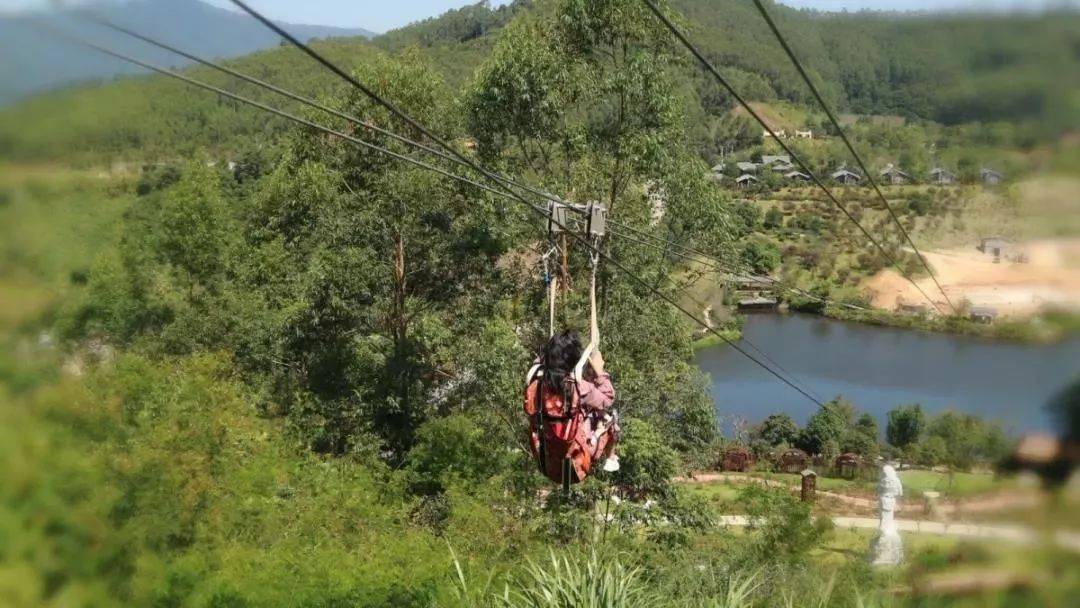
(611,464)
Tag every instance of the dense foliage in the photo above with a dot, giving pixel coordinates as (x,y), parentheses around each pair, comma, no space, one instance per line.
(385,312)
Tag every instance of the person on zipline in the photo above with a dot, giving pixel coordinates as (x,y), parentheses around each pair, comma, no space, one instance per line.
(576,424)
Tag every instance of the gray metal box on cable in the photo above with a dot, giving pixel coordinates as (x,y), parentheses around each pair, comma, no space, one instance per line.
(559,218)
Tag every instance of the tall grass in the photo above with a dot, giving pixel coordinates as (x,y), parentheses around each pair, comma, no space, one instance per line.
(739,592)
(564,582)
(594,580)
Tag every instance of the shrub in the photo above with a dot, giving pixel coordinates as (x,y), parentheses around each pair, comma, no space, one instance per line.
(1065,408)
(808,222)
(761,256)
(647,464)
(932,451)
(157,483)
(774,219)
(783,529)
(157,178)
(748,216)
(455,446)
(920,204)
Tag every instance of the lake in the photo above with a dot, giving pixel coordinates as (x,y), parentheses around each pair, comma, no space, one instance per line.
(879,368)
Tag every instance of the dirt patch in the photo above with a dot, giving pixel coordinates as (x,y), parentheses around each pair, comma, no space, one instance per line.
(1050,278)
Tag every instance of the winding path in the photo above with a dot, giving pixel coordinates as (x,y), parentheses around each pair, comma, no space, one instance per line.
(1018,534)
(983,504)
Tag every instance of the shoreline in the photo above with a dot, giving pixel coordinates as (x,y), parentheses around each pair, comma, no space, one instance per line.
(1046,330)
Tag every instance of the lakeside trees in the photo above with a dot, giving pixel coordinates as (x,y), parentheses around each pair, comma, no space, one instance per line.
(905,426)
(956,440)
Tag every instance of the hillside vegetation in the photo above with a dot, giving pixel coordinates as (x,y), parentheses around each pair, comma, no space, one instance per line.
(952,69)
(295,379)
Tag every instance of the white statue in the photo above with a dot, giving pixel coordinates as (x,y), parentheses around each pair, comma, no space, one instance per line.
(887,548)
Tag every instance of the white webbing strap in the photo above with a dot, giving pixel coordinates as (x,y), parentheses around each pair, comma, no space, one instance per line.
(594,329)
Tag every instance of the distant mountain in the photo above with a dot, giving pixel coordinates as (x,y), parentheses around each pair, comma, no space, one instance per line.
(33,62)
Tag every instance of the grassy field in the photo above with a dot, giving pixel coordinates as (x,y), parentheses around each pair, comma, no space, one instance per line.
(54,221)
(957,485)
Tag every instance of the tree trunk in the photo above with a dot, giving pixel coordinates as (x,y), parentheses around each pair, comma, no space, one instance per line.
(399,321)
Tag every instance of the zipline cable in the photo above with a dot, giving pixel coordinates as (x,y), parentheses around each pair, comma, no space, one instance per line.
(847,142)
(99,20)
(540,211)
(757,117)
(489,175)
(705,307)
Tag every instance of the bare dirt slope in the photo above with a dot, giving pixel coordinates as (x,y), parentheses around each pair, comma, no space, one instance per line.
(1049,278)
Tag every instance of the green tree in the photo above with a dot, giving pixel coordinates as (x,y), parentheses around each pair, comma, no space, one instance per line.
(581,96)
(867,425)
(647,463)
(905,425)
(774,219)
(168,281)
(778,429)
(762,257)
(749,218)
(382,264)
(968,440)
(932,451)
(830,450)
(862,437)
(831,422)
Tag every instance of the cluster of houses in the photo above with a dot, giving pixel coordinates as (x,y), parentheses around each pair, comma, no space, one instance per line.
(739,458)
(749,173)
(783,134)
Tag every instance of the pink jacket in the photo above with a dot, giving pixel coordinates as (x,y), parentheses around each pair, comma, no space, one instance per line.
(596,393)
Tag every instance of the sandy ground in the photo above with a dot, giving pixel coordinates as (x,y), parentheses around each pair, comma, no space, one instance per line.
(1049,279)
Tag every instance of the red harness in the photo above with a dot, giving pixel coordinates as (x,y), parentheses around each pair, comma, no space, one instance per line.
(560,432)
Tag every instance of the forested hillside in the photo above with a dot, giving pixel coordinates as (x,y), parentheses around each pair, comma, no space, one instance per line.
(1024,69)
(950,68)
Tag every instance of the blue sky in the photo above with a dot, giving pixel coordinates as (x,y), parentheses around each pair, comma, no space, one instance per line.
(381,15)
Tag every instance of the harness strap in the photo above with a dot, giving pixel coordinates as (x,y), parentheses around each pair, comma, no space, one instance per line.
(533,372)
(594,329)
(541,451)
(552,282)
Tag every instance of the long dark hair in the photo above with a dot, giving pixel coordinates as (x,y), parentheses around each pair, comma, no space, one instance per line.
(562,353)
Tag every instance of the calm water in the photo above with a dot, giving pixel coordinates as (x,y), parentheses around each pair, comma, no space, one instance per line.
(879,368)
